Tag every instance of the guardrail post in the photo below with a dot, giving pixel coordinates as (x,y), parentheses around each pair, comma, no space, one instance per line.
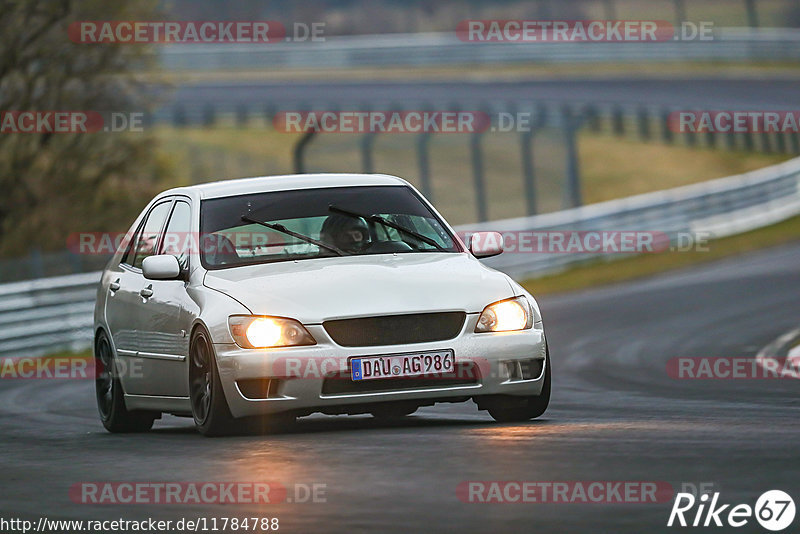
(269,114)
(666,132)
(299,151)
(477,176)
(526,153)
(618,121)
(730,140)
(749,143)
(711,139)
(179,116)
(572,183)
(610,10)
(752,15)
(644,124)
(526,139)
(766,143)
(545,10)
(367,141)
(780,142)
(423,164)
(680,14)
(241,115)
(691,138)
(795,142)
(209,115)
(593,119)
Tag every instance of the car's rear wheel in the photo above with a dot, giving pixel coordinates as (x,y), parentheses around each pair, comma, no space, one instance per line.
(209,407)
(110,396)
(518,409)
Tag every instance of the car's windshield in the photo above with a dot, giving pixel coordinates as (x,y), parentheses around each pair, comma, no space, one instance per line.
(310,223)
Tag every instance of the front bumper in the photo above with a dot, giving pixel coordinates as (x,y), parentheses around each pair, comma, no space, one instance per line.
(298,375)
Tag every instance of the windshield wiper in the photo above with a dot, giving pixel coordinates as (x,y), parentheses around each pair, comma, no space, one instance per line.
(282,229)
(380,220)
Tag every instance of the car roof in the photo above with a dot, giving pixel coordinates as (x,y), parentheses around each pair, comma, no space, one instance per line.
(262,184)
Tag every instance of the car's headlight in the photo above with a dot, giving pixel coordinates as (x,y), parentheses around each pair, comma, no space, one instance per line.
(262,332)
(505,316)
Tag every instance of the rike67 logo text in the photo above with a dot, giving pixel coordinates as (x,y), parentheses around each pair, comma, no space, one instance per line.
(774,510)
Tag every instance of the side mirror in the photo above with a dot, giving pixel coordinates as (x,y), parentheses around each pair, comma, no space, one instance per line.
(486,244)
(161,267)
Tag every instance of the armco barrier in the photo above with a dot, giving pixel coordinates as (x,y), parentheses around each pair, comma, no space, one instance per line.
(418,49)
(52,314)
(47,315)
(721,207)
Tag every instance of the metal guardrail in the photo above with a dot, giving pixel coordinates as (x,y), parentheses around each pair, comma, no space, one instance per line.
(51,314)
(47,315)
(721,207)
(419,49)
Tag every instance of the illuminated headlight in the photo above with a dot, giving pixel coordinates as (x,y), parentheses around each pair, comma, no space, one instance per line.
(505,316)
(263,332)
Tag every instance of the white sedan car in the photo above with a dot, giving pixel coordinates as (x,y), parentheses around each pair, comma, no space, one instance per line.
(266,299)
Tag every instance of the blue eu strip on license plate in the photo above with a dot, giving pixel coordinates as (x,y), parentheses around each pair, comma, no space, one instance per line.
(356,369)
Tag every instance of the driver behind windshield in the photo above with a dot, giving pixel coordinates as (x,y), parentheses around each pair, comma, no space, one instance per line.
(350,234)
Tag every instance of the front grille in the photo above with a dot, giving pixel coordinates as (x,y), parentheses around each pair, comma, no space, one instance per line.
(395,329)
(465,374)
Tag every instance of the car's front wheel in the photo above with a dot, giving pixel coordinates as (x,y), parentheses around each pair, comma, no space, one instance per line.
(110,396)
(519,409)
(209,407)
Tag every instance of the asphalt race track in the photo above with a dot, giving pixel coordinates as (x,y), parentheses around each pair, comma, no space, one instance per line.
(710,93)
(615,416)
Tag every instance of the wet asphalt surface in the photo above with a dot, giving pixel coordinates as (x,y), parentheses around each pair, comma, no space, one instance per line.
(615,415)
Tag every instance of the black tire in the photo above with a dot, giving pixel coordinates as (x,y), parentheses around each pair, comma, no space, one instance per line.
(212,417)
(520,409)
(111,397)
(393,411)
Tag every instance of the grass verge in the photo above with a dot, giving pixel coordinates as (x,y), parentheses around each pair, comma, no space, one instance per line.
(611,167)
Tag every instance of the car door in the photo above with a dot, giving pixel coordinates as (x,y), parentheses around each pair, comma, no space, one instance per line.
(125,304)
(165,321)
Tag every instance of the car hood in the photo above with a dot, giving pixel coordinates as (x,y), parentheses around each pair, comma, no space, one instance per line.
(316,290)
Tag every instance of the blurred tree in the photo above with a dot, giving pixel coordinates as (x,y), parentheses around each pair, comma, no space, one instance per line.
(56,183)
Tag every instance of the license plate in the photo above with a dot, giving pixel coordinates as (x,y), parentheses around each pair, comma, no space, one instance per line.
(431,363)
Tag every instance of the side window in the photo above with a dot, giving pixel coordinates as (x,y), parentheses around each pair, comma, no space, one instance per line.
(178,239)
(146,242)
(127,258)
